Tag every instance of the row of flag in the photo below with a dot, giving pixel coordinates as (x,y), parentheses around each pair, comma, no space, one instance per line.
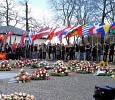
(67,32)
(79,30)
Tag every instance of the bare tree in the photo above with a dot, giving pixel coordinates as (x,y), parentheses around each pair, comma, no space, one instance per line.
(8,12)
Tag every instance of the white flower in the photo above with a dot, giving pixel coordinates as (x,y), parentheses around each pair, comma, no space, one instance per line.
(38,75)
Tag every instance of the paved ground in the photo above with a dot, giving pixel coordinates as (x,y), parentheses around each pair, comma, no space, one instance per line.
(74,87)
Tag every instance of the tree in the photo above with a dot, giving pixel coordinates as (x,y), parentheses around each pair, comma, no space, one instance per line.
(8,12)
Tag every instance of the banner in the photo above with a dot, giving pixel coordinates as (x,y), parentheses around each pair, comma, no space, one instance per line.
(2,56)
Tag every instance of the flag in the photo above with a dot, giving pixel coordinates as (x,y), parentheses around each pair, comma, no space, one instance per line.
(106,28)
(64,32)
(75,31)
(51,34)
(8,34)
(101,32)
(2,38)
(34,36)
(79,31)
(43,29)
(58,31)
(85,29)
(22,39)
(91,30)
(30,37)
(14,44)
(44,32)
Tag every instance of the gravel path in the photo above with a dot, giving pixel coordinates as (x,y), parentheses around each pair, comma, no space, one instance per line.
(74,87)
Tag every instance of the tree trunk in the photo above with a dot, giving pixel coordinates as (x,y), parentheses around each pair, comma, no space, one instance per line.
(7,13)
(27,26)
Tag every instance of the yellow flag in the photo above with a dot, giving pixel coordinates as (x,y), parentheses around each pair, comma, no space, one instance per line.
(106,28)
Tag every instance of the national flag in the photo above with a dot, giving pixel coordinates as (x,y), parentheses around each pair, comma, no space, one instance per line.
(91,30)
(14,44)
(22,39)
(106,28)
(51,34)
(85,29)
(75,31)
(64,32)
(44,32)
(34,36)
(58,31)
(8,34)
(2,38)
(30,37)
(43,29)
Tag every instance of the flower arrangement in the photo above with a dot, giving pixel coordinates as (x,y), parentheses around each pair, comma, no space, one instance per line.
(22,77)
(19,64)
(60,69)
(105,71)
(17,96)
(102,63)
(34,61)
(5,66)
(28,62)
(40,74)
(73,65)
(86,67)
(58,63)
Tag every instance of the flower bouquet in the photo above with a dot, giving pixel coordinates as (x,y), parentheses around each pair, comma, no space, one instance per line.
(73,65)
(17,96)
(5,66)
(45,64)
(22,77)
(86,67)
(102,63)
(105,71)
(28,62)
(40,74)
(60,69)
(19,64)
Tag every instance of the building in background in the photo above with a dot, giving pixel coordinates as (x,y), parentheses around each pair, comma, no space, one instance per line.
(17,33)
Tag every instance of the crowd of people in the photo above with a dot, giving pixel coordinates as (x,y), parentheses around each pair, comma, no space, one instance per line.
(57,51)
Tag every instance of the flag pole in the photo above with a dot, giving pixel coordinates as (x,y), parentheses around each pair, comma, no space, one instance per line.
(92,48)
(97,50)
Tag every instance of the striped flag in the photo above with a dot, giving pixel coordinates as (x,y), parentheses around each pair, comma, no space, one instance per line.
(85,29)
(30,37)
(22,39)
(14,44)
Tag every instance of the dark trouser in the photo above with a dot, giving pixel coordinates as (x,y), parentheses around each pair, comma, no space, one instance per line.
(49,53)
(62,55)
(111,56)
(44,55)
(67,55)
(94,57)
(99,56)
(81,56)
(87,55)
(71,56)
(105,56)
(18,56)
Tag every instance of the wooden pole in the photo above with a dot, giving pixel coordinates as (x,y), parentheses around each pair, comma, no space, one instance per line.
(92,48)
(97,50)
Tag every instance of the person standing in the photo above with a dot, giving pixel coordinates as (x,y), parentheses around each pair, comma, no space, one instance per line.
(105,51)
(82,51)
(111,52)
(99,48)
(58,52)
(62,52)
(77,51)
(88,51)
(94,52)
(54,51)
